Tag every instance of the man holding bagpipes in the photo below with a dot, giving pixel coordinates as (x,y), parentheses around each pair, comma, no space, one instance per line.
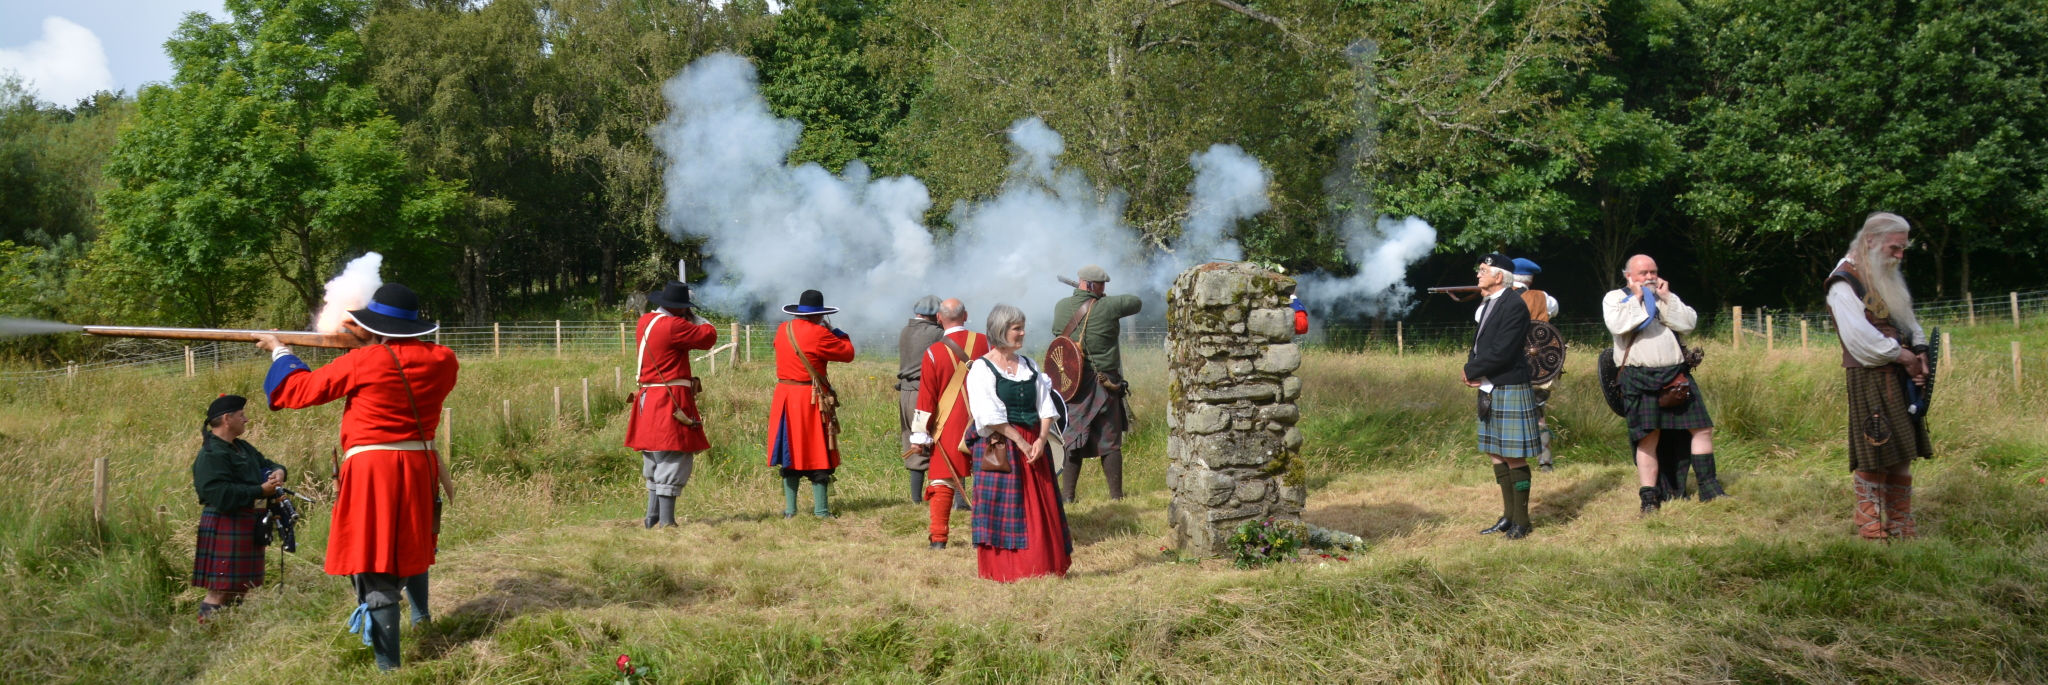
(1890,371)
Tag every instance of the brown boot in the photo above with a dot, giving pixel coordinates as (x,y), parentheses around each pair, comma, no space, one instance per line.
(1870,489)
(1898,507)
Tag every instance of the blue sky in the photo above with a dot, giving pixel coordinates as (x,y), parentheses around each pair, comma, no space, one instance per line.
(70,48)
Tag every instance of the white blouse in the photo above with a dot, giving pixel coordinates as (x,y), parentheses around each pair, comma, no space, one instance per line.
(988,409)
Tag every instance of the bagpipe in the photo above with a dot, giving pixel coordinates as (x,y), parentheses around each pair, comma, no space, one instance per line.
(1918,396)
(281,518)
(1544,344)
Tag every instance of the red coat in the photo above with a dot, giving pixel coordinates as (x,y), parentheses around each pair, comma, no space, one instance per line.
(939,367)
(383,519)
(664,355)
(793,417)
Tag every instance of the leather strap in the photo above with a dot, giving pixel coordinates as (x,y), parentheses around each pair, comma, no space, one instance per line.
(1080,319)
(950,396)
(819,386)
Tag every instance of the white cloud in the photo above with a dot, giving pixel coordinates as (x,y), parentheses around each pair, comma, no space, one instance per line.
(63,65)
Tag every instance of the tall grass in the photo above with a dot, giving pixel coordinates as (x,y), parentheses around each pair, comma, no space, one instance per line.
(545,576)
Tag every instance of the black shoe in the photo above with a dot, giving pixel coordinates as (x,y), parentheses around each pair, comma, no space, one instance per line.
(1498,526)
(1653,499)
(938,544)
(1514,532)
(648,522)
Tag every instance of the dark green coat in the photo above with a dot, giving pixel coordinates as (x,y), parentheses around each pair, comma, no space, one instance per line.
(1103,329)
(228,477)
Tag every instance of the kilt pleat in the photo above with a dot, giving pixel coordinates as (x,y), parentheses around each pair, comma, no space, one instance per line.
(1639,388)
(1511,432)
(1881,434)
(226,556)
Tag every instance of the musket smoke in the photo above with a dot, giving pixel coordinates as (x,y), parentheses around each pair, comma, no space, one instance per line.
(11,327)
(350,290)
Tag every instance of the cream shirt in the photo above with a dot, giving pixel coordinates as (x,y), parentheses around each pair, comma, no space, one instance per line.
(1656,345)
(1867,346)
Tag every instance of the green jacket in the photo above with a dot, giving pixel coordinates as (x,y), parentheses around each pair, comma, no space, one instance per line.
(228,477)
(1103,329)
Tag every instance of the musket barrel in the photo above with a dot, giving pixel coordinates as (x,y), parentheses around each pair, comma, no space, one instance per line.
(300,338)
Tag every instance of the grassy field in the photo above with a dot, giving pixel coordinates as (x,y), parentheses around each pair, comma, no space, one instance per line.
(546,576)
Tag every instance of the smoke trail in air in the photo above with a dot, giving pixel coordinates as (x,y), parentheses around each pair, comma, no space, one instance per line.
(11,327)
(350,290)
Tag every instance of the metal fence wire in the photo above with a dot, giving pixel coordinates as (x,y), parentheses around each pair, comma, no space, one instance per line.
(745,342)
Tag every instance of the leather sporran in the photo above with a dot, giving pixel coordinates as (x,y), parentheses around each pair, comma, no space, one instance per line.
(1485,406)
(996,455)
(1675,394)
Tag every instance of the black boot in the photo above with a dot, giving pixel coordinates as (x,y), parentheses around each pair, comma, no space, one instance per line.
(416,594)
(917,482)
(653,510)
(1653,499)
(1519,524)
(384,636)
(1113,474)
(1070,478)
(1710,484)
(665,516)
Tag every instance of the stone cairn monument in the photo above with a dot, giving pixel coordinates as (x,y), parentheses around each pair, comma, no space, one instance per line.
(1232,447)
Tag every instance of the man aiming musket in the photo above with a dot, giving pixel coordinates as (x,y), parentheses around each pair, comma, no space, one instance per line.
(1097,415)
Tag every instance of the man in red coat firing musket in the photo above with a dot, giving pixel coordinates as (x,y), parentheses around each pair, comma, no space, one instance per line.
(665,425)
(803,424)
(385,521)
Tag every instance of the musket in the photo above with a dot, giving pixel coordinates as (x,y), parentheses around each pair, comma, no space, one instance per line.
(1458,293)
(1068,281)
(299,338)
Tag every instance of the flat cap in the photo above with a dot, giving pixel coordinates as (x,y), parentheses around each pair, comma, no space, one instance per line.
(926,306)
(1094,273)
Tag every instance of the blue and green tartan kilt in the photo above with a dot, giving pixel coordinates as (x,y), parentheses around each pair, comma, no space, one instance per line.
(1639,388)
(1511,432)
(227,556)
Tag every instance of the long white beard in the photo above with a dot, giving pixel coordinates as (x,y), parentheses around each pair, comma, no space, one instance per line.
(1886,285)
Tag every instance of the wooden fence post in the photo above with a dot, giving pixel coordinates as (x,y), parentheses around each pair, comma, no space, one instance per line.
(494,338)
(1770,333)
(748,334)
(1802,334)
(99,488)
(1948,353)
(2015,299)
(618,385)
(586,400)
(1736,314)
(1970,306)
(2015,364)
(558,338)
(70,374)
(557,417)
(1400,339)
(732,356)
(508,414)
(623,345)
(188,361)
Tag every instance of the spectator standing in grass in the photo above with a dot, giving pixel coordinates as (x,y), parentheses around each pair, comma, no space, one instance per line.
(665,425)
(1498,365)
(1020,524)
(1884,356)
(919,334)
(232,480)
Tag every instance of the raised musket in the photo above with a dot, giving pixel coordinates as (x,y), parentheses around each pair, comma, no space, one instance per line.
(1458,293)
(298,338)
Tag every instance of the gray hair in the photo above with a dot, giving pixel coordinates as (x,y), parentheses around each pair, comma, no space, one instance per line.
(1000,320)
(1877,225)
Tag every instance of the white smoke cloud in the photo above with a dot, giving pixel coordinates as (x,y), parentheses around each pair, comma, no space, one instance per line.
(63,65)
(773,230)
(350,290)
(1383,253)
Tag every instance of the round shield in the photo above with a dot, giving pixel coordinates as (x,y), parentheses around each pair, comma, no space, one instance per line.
(1610,382)
(1062,366)
(1546,353)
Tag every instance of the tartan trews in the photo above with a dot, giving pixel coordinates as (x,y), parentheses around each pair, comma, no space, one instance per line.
(227,557)
(1511,431)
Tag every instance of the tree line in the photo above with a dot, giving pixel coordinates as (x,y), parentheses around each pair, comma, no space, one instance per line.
(498,152)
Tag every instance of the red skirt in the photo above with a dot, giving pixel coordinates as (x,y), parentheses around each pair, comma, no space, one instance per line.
(384,514)
(227,558)
(1045,527)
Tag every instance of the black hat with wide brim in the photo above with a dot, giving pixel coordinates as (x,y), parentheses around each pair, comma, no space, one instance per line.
(811,303)
(674,295)
(394,312)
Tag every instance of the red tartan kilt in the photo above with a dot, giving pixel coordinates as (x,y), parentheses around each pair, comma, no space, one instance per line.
(226,557)
(384,514)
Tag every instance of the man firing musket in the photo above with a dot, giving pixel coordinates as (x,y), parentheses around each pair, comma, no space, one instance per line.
(803,422)
(1097,416)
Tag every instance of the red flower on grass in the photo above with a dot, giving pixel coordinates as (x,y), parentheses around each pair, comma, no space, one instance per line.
(625,664)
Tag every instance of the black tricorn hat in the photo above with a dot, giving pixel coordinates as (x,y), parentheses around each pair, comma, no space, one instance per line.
(673,295)
(810,303)
(394,312)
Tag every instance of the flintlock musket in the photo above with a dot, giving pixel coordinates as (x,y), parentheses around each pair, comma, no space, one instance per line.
(1458,293)
(298,338)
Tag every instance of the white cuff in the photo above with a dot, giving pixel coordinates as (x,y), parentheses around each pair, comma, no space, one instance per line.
(919,438)
(280,352)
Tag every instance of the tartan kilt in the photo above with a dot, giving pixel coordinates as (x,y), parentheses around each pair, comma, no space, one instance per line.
(1881,433)
(1095,422)
(1511,431)
(226,557)
(1639,388)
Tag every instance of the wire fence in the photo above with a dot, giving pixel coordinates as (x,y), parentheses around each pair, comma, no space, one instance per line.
(748,342)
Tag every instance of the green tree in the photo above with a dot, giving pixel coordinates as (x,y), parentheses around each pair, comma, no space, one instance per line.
(265,155)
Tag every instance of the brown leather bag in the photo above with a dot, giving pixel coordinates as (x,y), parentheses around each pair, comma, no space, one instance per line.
(1675,394)
(997,454)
